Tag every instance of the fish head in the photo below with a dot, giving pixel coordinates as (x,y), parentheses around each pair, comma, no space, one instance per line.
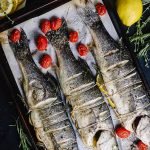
(59,38)
(87,12)
(21,48)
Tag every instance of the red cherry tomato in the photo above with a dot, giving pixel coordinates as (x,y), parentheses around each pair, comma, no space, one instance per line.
(101,9)
(45,26)
(142,146)
(42,43)
(73,36)
(82,50)
(46,61)
(56,23)
(122,132)
(15,35)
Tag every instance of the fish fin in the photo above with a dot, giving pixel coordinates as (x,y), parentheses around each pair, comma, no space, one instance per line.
(51,79)
(56,69)
(54,81)
(85,65)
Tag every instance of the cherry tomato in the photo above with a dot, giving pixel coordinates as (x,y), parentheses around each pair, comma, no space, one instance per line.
(45,26)
(42,43)
(15,35)
(46,61)
(56,23)
(73,36)
(82,50)
(122,132)
(101,9)
(142,146)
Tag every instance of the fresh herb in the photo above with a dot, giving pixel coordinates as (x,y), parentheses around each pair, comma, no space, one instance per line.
(141,39)
(24,141)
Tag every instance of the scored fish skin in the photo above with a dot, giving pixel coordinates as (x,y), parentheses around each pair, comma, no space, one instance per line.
(90,113)
(48,113)
(121,79)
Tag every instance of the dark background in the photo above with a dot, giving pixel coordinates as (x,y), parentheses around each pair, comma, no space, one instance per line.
(9,139)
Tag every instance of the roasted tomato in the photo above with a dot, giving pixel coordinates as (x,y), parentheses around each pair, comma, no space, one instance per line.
(122,132)
(15,35)
(56,23)
(82,50)
(46,61)
(142,146)
(41,43)
(73,36)
(101,9)
(45,26)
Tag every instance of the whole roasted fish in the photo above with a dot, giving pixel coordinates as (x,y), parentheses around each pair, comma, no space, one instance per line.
(89,110)
(48,114)
(122,81)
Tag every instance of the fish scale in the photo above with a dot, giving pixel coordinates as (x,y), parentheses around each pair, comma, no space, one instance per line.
(48,111)
(113,66)
(90,113)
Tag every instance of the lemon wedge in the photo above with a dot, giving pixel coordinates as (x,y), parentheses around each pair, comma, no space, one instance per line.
(129,11)
(15,5)
(100,84)
(20,2)
(6,7)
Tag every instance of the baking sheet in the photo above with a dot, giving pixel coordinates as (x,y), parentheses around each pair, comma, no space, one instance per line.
(74,22)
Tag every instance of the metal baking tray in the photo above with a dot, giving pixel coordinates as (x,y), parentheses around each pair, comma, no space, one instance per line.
(29,11)
(38,8)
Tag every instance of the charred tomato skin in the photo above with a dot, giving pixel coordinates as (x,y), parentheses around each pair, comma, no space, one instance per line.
(73,36)
(142,146)
(101,9)
(45,61)
(45,26)
(122,132)
(82,49)
(15,35)
(42,43)
(56,23)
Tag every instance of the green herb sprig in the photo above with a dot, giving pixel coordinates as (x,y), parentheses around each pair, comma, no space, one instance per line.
(141,40)
(24,141)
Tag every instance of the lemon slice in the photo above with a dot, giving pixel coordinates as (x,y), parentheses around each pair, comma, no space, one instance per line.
(100,84)
(15,5)
(20,2)
(6,7)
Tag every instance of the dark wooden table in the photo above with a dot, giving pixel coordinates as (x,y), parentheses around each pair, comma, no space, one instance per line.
(9,139)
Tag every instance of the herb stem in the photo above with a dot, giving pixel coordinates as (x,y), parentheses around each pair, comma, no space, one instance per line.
(24,141)
(140,37)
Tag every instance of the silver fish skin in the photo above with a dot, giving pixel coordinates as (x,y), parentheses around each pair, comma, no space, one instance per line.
(48,113)
(90,113)
(121,78)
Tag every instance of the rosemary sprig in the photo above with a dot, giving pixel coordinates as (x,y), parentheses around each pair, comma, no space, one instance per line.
(24,141)
(140,39)
(144,53)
